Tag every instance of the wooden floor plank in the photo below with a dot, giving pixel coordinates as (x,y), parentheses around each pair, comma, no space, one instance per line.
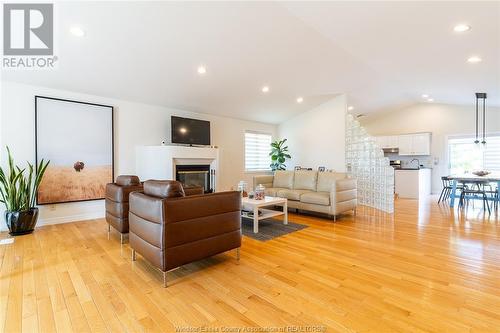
(425,268)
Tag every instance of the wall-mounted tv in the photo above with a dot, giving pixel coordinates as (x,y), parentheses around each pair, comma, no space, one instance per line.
(190,131)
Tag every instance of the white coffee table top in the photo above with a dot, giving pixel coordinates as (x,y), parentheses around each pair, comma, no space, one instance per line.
(267,201)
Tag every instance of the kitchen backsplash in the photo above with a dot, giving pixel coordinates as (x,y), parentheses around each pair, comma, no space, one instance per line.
(426,161)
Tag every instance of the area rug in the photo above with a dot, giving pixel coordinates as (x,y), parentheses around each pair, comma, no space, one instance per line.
(269,228)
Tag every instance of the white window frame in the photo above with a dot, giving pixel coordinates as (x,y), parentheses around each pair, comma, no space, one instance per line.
(470,137)
(267,168)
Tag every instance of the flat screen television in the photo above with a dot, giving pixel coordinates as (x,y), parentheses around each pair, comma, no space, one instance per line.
(190,131)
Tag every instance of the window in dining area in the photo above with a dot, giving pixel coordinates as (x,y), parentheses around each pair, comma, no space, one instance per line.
(465,156)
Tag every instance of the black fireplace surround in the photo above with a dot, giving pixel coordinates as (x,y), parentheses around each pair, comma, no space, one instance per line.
(194,175)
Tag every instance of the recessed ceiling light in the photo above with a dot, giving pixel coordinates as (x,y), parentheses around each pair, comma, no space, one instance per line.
(300,100)
(202,70)
(77,31)
(474,59)
(461,28)
(430,100)
(350,108)
(425,96)
(265,89)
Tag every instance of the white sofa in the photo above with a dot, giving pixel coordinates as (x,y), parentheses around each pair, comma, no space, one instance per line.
(324,192)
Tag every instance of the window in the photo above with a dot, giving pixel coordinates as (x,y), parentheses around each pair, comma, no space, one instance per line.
(464,155)
(257,149)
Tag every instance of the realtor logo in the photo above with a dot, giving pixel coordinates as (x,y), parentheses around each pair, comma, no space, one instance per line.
(28,36)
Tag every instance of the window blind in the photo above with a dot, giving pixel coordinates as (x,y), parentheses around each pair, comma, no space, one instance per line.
(257,149)
(464,155)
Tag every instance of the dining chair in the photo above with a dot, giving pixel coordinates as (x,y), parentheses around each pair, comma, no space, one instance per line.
(474,188)
(447,188)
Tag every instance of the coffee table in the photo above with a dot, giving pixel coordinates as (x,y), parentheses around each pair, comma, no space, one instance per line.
(256,205)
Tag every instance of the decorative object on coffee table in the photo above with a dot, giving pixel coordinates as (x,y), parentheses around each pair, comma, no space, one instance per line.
(321,169)
(260,192)
(297,168)
(18,188)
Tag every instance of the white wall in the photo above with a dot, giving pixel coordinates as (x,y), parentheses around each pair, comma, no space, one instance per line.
(317,137)
(442,120)
(135,124)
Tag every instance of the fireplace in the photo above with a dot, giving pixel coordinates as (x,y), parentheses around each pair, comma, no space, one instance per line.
(195,175)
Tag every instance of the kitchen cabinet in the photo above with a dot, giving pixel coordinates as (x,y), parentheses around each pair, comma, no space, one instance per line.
(414,144)
(412,184)
(390,141)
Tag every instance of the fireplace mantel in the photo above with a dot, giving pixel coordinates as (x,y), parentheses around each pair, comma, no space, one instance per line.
(159,162)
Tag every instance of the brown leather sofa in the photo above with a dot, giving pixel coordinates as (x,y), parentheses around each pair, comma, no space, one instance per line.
(170,229)
(117,202)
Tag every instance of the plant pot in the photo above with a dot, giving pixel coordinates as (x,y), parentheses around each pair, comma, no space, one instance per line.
(21,223)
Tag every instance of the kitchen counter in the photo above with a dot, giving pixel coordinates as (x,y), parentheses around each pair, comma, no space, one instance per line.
(412,183)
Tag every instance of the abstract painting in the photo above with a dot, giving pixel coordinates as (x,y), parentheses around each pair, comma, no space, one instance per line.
(77,138)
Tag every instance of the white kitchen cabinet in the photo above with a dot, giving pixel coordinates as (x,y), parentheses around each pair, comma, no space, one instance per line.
(412,184)
(390,141)
(414,144)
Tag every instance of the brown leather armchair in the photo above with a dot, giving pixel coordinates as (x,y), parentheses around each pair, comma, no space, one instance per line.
(170,230)
(117,202)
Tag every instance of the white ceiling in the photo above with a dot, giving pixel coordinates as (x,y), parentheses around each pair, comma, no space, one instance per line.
(381,54)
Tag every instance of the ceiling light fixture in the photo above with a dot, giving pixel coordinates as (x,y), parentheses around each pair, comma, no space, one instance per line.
(474,59)
(202,70)
(461,28)
(350,108)
(77,31)
(425,96)
(430,100)
(265,89)
(300,100)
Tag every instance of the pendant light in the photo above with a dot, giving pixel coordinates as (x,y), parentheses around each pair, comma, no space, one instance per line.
(482,97)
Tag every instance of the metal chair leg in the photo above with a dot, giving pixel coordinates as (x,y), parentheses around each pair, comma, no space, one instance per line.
(133,255)
(441,196)
(354,211)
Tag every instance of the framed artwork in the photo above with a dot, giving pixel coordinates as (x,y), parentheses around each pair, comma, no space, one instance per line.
(77,138)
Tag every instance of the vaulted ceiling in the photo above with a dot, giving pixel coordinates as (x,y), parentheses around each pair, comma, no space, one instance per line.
(380,54)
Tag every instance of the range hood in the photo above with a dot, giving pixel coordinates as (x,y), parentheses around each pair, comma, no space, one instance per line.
(390,150)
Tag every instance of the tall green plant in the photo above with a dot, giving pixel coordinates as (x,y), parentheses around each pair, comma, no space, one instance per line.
(18,186)
(279,154)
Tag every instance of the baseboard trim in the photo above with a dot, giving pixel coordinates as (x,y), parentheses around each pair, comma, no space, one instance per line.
(64,219)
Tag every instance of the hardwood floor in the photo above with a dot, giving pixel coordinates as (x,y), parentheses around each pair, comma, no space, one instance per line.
(425,269)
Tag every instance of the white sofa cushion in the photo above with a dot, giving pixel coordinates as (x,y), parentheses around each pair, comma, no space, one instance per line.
(305,180)
(316,198)
(283,179)
(326,180)
(273,191)
(292,194)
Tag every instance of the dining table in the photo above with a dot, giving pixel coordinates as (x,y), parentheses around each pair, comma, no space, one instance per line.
(471,178)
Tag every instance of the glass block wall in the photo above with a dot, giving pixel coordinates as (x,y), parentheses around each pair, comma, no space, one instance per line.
(365,161)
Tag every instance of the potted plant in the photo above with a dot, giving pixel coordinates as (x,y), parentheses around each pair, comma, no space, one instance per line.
(279,154)
(18,188)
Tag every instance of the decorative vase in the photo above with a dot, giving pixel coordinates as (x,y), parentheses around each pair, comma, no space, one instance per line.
(21,223)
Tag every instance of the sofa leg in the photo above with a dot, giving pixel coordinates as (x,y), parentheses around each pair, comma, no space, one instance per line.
(334,218)
(133,255)
(164,279)
(121,238)
(238,254)
(109,230)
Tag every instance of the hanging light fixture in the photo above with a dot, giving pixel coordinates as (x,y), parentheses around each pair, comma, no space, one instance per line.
(480,96)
